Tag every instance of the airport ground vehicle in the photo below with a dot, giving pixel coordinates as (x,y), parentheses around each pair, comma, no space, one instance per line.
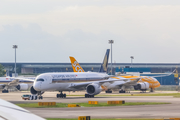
(31,97)
(26,97)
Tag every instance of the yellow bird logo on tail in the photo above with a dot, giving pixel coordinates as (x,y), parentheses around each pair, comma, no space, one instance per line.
(75,65)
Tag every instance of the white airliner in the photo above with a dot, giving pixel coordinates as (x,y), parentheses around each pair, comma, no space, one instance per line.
(74,81)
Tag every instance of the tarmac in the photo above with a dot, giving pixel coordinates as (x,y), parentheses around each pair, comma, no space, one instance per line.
(139,111)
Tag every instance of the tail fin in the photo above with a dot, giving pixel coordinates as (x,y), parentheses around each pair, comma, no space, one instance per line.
(104,65)
(75,65)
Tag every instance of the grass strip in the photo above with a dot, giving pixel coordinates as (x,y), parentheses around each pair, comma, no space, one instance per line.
(101,104)
(97,119)
(176,96)
(142,94)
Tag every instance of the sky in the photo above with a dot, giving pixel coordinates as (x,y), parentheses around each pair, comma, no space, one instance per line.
(53,30)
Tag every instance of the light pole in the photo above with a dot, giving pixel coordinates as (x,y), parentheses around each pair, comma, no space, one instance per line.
(132,57)
(15,47)
(111,42)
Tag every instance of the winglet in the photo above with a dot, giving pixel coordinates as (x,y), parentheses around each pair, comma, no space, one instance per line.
(75,65)
(105,62)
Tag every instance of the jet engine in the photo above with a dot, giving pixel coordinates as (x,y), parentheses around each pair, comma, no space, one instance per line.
(93,89)
(142,86)
(33,91)
(22,86)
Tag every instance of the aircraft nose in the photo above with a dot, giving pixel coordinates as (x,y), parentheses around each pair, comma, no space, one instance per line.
(37,86)
(159,83)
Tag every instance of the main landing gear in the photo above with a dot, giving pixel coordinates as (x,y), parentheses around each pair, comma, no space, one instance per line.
(109,91)
(122,91)
(61,95)
(5,91)
(89,96)
(143,91)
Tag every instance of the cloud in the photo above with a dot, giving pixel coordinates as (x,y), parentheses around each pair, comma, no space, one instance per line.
(147,31)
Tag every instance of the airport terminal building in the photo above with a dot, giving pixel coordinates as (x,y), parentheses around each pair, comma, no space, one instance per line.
(128,68)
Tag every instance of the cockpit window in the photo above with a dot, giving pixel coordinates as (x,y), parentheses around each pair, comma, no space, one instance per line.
(40,80)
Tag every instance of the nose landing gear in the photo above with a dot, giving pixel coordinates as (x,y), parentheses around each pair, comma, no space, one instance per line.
(35,97)
(40,97)
(61,95)
(152,90)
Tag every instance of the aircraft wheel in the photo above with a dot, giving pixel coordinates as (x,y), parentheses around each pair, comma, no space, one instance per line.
(61,95)
(5,91)
(35,98)
(64,95)
(86,95)
(108,91)
(151,90)
(57,95)
(32,97)
(40,97)
(92,96)
(122,91)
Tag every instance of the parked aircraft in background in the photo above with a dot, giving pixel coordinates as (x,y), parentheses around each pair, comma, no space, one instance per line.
(15,83)
(9,111)
(143,84)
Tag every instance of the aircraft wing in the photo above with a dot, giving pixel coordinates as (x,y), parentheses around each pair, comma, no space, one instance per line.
(25,79)
(125,81)
(10,84)
(133,81)
(14,83)
(84,84)
(9,111)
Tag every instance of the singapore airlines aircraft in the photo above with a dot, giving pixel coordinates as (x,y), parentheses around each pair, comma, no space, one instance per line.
(143,84)
(74,81)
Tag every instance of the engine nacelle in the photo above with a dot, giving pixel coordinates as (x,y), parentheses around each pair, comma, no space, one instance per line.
(142,86)
(33,91)
(22,86)
(93,89)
